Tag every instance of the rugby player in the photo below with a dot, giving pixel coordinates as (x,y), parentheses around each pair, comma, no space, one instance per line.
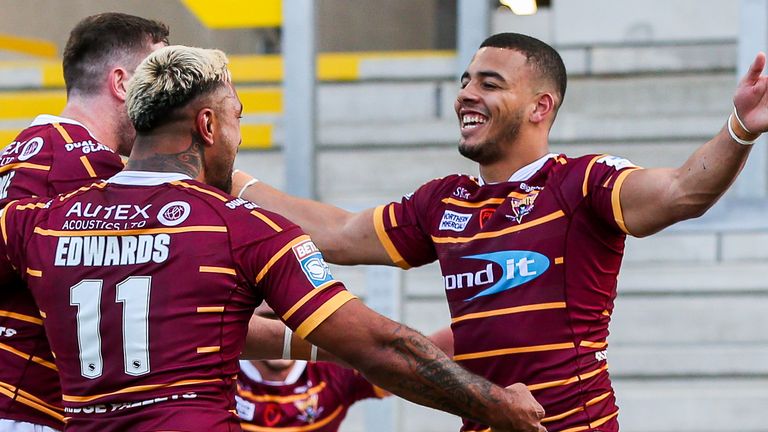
(58,154)
(530,250)
(155,308)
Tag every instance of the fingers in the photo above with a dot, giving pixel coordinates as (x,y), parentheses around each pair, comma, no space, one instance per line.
(756,69)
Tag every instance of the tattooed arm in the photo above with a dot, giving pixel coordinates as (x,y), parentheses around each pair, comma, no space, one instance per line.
(407,364)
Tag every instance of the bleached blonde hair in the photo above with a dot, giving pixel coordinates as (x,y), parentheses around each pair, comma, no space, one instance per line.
(169,78)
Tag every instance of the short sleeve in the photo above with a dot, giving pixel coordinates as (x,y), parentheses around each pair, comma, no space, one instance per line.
(401,227)
(289,271)
(351,385)
(603,180)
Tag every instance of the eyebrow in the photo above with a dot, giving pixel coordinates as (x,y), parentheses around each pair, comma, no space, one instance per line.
(485,74)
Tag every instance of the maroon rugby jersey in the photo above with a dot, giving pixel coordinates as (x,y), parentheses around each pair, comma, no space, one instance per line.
(529,269)
(314,396)
(51,156)
(146,284)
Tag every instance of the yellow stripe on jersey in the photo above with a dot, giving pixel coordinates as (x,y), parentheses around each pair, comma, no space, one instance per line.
(24,165)
(260,398)
(208,349)
(136,389)
(307,297)
(34,273)
(517,350)
(87,164)
(323,312)
(616,199)
(209,309)
(606,313)
(20,317)
(478,204)
(571,380)
(585,185)
(30,400)
(26,356)
(386,242)
(3,214)
(576,429)
(576,410)
(559,260)
(199,189)
(63,132)
(267,221)
(279,255)
(492,234)
(31,206)
(511,310)
(589,344)
(307,428)
(43,314)
(392,218)
(601,421)
(120,233)
(213,269)
(100,185)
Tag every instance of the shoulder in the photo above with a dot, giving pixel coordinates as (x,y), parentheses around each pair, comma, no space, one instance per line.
(237,212)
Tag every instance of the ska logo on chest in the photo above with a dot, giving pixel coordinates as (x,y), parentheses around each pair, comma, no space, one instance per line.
(522,204)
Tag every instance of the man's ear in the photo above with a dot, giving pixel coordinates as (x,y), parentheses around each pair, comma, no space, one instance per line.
(118,82)
(205,123)
(544,108)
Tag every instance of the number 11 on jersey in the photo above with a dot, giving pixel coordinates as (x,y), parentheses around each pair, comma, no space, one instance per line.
(133,293)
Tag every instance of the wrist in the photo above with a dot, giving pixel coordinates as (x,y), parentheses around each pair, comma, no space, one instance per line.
(738,131)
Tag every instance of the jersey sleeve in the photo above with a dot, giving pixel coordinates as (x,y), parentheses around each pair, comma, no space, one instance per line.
(401,228)
(290,273)
(17,222)
(604,177)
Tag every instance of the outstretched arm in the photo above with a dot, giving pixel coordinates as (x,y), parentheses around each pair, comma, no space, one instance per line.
(405,363)
(266,339)
(344,237)
(653,199)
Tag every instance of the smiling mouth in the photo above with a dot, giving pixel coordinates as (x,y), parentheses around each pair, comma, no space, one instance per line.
(472,121)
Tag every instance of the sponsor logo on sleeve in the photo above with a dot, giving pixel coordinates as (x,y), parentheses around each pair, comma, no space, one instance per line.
(618,163)
(312,263)
(245,409)
(173,213)
(453,221)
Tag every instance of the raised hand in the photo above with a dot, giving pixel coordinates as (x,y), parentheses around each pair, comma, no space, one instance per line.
(751,98)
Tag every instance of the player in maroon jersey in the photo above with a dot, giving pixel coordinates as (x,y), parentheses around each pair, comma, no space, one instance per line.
(280,394)
(149,279)
(58,154)
(530,249)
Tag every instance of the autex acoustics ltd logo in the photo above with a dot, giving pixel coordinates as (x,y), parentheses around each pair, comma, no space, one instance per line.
(504,270)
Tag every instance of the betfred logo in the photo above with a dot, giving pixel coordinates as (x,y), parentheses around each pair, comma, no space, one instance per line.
(502,271)
(305,249)
(312,263)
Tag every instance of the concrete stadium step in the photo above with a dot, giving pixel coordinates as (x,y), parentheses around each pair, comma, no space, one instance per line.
(637,361)
(700,405)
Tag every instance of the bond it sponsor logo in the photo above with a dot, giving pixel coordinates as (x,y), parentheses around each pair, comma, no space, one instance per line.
(502,271)
(312,263)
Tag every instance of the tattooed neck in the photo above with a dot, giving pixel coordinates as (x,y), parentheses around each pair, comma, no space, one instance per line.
(188,161)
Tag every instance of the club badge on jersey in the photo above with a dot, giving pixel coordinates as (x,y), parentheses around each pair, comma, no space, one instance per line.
(522,205)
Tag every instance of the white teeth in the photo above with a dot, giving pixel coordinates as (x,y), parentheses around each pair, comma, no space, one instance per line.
(472,120)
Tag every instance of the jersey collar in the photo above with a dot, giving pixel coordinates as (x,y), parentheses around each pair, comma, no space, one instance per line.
(251,372)
(146,178)
(525,172)
(44,119)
